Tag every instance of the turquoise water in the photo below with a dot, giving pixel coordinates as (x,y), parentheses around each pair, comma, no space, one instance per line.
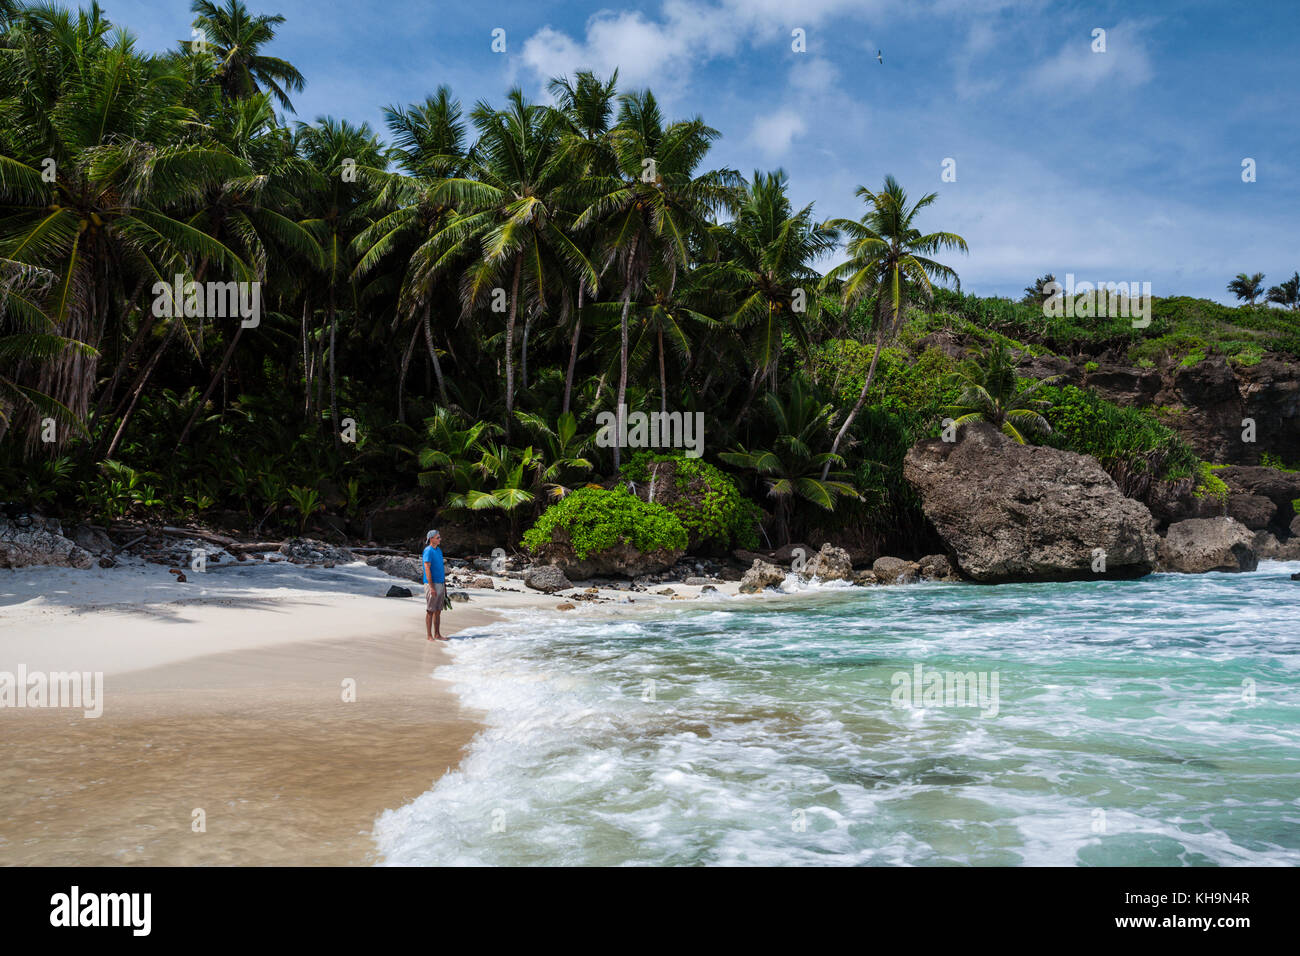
(1151,722)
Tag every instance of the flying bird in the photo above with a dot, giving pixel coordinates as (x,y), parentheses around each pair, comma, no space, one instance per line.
(879,57)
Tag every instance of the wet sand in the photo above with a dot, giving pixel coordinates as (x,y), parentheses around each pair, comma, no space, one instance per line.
(262,742)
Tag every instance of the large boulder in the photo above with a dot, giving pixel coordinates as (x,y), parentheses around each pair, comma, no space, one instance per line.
(1198,545)
(895,571)
(829,564)
(27,540)
(399,566)
(1012,512)
(937,567)
(91,539)
(1123,385)
(761,575)
(1281,488)
(1269,548)
(546,578)
(1254,511)
(621,560)
(312,551)
(1171,501)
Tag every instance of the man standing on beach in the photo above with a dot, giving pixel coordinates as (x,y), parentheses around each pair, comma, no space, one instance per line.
(435,586)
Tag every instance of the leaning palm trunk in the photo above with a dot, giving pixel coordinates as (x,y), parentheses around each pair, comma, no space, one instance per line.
(510,347)
(334,404)
(573,353)
(857,407)
(622,371)
(663,375)
(433,355)
(217,376)
(145,374)
(401,376)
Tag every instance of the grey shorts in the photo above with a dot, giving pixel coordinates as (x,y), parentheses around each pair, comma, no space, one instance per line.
(434,597)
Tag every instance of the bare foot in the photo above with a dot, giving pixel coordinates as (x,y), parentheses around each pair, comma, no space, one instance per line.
(439,637)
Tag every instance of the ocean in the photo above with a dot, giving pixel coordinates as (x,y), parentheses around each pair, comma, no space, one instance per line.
(1153,722)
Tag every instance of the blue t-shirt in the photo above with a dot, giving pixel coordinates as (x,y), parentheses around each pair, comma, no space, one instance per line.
(433,558)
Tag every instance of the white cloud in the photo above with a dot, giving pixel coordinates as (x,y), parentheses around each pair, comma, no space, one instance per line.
(1077,69)
(663,51)
(774,133)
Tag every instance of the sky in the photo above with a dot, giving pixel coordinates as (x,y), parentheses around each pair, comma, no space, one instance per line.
(1115,164)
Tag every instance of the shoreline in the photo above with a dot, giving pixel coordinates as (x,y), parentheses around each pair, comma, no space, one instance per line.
(226,702)
(225,695)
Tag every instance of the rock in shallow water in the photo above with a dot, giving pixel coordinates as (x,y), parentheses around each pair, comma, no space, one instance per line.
(546,578)
(829,564)
(1011,512)
(1198,545)
(761,575)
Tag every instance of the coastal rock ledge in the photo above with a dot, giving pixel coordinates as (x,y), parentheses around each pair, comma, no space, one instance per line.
(1011,512)
(34,540)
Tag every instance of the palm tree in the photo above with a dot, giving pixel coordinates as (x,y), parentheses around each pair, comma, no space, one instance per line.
(449,458)
(20,345)
(235,38)
(1287,294)
(564,450)
(766,256)
(1247,288)
(244,211)
(1037,293)
(991,392)
(664,319)
(652,207)
(585,106)
(338,155)
(126,163)
(889,259)
(509,216)
(791,468)
(429,146)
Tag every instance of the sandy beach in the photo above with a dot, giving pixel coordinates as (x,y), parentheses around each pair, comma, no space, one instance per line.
(258,714)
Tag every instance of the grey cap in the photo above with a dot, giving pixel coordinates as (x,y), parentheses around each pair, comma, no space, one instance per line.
(430,534)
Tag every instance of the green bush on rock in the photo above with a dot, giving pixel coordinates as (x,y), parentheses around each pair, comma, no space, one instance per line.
(593,520)
(703,497)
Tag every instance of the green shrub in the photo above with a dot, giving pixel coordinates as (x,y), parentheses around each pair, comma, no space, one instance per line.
(1090,366)
(1129,443)
(595,520)
(708,503)
(1208,484)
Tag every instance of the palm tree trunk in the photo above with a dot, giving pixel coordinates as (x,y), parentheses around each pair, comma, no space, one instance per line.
(334,404)
(573,352)
(433,355)
(857,407)
(523,368)
(216,377)
(306,363)
(749,398)
(510,347)
(106,398)
(663,376)
(143,380)
(622,373)
(401,376)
